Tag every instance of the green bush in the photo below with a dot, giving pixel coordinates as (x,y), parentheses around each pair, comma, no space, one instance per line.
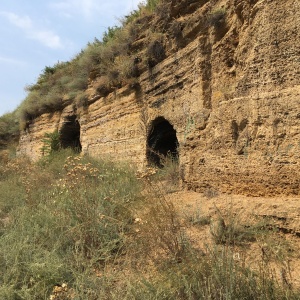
(110,34)
(9,124)
(152,4)
(228,229)
(51,143)
(74,227)
(216,17)
(155,48)
(62,227)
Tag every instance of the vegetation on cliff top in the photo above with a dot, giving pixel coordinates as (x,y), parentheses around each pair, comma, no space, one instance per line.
(113,61)
(9,129)
(123,53)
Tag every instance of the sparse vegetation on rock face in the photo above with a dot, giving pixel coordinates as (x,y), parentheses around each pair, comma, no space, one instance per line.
(216,17)
(9,130)
(113,57)
(215,70)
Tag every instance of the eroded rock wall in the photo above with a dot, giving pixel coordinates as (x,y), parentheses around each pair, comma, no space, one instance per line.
(231,92)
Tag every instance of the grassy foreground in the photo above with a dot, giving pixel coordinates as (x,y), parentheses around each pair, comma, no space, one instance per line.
(72,227)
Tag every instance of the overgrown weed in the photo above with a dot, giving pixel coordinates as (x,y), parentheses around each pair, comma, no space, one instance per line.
(80,228)
(111,56)
(71,224)
(213,274)
(161,232)
(168,176)
(228,228)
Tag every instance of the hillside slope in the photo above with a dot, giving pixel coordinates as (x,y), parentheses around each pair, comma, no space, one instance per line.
(214,83)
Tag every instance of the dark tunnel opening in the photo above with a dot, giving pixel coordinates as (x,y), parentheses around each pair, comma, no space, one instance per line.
(70,134)
(161,142)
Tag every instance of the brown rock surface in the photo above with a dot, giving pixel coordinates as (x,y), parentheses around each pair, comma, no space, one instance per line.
(231,90)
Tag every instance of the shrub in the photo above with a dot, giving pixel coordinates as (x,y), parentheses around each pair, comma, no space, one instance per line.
(51,143)
(132,16)
(29,107)
(81,99)
(175,29)
(9,129)
(159,233)
(72,227)
(216,17)
(155,51)
(151,4)
(198,218)
(162,16)
(53,100)
(63,227)
(228,229)
(127,67)
(103,86)
(8,123)
(169,172)
(110,34)
(79,83)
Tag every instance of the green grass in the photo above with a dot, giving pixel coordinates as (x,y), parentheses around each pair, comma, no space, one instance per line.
(212,275)
(58,225)
(79,228)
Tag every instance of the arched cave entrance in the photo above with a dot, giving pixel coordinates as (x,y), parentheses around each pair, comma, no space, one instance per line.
(70,134)
(161,142)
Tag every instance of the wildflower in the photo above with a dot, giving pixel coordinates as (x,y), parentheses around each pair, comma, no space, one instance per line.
(137,220)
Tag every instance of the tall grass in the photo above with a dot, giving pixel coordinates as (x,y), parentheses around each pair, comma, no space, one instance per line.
(61,227)
(72,227)
(213,274)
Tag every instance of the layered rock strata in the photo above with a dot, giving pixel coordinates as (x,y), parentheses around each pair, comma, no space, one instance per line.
(230,87)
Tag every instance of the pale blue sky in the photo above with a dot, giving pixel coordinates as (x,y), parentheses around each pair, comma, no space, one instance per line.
(39,33)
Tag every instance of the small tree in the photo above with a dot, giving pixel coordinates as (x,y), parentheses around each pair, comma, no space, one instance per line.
(51,143)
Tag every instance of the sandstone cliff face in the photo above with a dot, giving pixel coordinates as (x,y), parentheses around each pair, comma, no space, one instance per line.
(230,87)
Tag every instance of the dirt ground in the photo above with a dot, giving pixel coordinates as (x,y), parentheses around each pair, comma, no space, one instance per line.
(280,216)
